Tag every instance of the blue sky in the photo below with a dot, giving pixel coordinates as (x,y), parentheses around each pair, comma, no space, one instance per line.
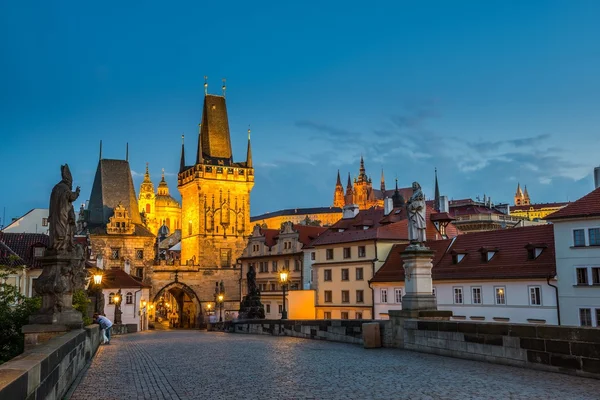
(491,93)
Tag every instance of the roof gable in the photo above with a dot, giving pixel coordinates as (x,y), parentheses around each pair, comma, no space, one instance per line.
(587,206)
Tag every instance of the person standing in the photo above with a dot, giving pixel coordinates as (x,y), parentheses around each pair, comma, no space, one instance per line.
(105,324)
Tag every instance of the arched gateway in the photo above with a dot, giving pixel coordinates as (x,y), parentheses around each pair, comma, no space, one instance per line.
(182,298)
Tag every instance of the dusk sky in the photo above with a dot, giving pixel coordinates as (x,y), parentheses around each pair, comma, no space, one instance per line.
(490,92)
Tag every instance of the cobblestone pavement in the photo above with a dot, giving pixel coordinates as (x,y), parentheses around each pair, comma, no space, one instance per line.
(210,365)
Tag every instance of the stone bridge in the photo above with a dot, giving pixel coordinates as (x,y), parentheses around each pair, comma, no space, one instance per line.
(192,364)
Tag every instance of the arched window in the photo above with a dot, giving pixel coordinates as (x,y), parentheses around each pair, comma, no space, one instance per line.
(129,298)
(111,298)
(147,208)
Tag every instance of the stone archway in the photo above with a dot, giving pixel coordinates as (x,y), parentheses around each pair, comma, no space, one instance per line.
(189,308)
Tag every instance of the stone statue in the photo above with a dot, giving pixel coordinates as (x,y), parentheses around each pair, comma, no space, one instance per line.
(61,216)
(251,307)
(415,210)
(251,278)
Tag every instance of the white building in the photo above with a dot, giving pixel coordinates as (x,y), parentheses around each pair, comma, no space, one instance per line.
(34,221)
(21,252)
(134,298)
(577,241)
(495,276)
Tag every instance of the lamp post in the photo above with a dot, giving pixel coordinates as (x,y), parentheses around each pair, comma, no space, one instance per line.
(220,297)
(283,279)
(97,290)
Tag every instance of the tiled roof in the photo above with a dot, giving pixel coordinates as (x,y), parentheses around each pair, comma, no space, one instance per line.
(297,211)
(16,220)
(140,230)
(119,279)
(21,245)
(216,142)
(393,226)
(587,206)
(306,234)
(510,261)
(538,206)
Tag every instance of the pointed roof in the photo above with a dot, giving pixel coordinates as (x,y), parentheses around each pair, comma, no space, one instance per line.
(519,191)
(349,185)
(587,206)
(147,175)
(525,193)
(214,131)
(249,152)
(382,181)
(437,193)
(182,160)
(113,184)
(339,181)
(119,279)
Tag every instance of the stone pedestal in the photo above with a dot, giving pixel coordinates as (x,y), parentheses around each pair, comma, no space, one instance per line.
(371,332)
(36,334)
(417,282)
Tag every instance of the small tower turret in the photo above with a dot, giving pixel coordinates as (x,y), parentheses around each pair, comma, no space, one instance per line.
(338,194)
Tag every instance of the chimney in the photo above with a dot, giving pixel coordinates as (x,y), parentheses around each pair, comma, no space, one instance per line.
(350,211)
(444,205)
(388,205)
(596,177)
(127,267)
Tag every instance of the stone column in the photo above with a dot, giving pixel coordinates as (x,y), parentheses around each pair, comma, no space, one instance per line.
(418,286)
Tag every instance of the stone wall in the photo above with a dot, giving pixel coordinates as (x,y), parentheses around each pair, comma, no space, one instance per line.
(347,331)
(48,370)
(570,350)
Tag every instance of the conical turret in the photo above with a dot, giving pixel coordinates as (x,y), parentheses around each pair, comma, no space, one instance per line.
(338,194)
(249,153)
(182,161)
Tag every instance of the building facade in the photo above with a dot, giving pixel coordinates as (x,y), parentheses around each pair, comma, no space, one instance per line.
(496,276)
(316,216)
(20,254)
(271,250)
(34,221)
(160,208)
(133,298)
(577,241)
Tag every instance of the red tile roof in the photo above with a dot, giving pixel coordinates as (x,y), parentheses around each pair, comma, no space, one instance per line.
(510,262)
(306,234)
(393,226)
(587,206)
(119,279)
(21,245)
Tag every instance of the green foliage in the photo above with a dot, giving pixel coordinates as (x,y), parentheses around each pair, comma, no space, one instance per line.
(15,310)
(80,303)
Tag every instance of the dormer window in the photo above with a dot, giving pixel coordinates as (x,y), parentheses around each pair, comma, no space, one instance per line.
(341,230)
(487,254)
(38,252)
(458,255)
(535,250)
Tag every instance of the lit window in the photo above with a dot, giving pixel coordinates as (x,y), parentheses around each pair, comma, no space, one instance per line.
(535,295)
(594,237)
(578,237)
(476,295)
(585,317)
(458,295)
(383,295)
(500,295)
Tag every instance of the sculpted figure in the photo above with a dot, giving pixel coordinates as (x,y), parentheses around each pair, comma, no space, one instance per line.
(251,277)
(415,208)
(61,216)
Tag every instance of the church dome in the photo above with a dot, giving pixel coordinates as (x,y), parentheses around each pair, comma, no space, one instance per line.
(163,231)
(166,201)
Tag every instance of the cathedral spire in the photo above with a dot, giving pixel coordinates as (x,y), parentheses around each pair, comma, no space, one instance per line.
(437,194)
(101,150)
(147,175)
(519,191)
(199,158)
(162,179)
(349,185)
(182,161)
(249,154)
(339,181)
(362,165)
(223,87)
(382,181)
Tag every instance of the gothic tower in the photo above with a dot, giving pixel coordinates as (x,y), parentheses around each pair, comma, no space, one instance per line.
(521,199)
(146,200)
(215,193)
(338,195)
(349,198)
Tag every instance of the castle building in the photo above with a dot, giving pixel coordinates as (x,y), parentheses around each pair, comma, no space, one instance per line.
(160,208)
(315,216)
(533,212)
(361,192)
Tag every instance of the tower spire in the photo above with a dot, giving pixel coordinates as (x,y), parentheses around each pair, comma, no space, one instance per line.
(339,181)
(205,85)
(100,149)
(382,181)
(162,179)
(223,87)
(349,185)
(127,151)
(437,194)
(249,154)
(199,158)
(147,175)
(182,161)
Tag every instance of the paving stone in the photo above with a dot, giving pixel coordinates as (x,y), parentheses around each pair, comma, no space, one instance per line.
(215,365)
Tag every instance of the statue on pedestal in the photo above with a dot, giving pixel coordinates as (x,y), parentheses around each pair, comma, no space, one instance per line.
(415,210)
(251,306)
(61,217)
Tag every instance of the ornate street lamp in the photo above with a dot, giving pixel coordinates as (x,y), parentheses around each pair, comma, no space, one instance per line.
(97,278)
(117,300)
(283,279)
(220,297)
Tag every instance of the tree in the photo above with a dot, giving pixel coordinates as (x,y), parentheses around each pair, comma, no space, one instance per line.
(15,310)
(309,222)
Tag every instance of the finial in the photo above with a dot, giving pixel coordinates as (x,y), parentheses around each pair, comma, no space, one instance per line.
(147,168)
(101,150)
(182,137)
(205,85)
(223,87)
(249,132)
(127,152)
(163,173)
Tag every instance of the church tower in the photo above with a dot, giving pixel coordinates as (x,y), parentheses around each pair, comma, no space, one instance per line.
(349,198)
(146,201)
(521,198)
(338,195)
(215,193)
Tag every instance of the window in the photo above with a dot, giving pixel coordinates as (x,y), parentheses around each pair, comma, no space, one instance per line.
(345,296)
(383,296)
(500,295)
(535,295)
(347,253)
(362,251)
(286,263)
(190,228)
(139,254)
(578,237)
(139,272)
(111,298)
(114,254)
(297,265)
(280,308)
(274,266)
(582,276)
(476,295)
(360,296)
(595,275)
(287,245)
(585,317)
(268,308)
(329,254)
(129,298)
(313,256)
(458,295)
(398,295)
(255,247)
(594,236)
(328,296)
(358,315)
(327,315)
(359,274)
(263,287)
(225,257)
(327,275)
(344,314)
(38,251)
(345,274)
(44,221)
(272,287)
(148,209)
